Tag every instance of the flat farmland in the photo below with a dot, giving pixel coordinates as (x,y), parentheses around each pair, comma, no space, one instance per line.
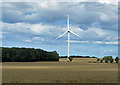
(77,71)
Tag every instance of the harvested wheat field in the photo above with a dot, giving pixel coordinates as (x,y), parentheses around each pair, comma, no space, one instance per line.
(77,71)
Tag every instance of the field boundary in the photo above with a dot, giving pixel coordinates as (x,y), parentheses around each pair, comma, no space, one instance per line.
(60,84)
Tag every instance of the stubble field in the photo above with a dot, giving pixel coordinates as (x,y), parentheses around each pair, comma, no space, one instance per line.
(77,71)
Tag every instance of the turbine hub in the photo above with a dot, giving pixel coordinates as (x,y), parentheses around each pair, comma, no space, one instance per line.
(68,31)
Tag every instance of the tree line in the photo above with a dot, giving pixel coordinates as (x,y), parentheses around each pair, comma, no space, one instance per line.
(75,56)
(31,55)
(108,59)
(27,55)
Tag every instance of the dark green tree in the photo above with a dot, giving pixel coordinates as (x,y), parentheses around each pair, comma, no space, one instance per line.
(106,61)
(98,59)
(111,61)
(117,59)
(101,61)
(70,58)
(108,58)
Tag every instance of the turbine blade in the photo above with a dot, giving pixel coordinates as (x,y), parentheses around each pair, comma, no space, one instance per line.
(61,35)
(75,33)
(68,23)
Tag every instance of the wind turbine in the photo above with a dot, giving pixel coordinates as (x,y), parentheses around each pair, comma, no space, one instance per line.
(68,31)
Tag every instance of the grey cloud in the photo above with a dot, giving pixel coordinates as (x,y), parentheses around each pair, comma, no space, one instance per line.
(86,13)
(28,20)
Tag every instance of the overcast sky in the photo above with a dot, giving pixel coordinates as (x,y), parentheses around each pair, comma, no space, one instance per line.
(37,24)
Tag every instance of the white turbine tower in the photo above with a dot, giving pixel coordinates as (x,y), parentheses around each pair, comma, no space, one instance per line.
(68,31)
